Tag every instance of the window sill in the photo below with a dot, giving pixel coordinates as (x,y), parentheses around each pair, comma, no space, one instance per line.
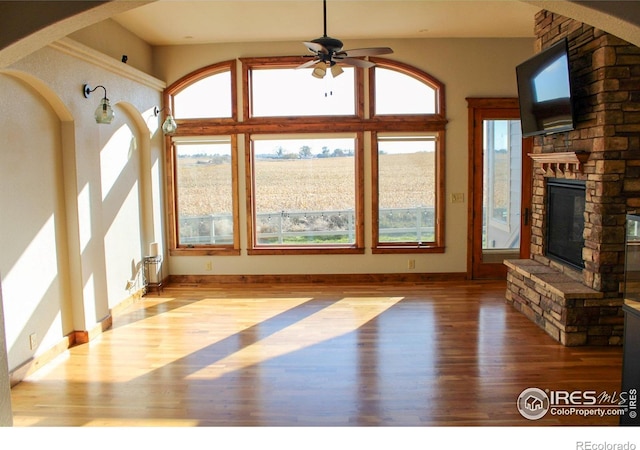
(204,251)
(302,250)
(406,249)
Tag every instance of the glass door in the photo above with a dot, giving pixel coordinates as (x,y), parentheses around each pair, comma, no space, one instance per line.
(502,175)
(500,187)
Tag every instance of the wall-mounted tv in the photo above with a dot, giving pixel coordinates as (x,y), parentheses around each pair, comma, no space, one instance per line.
(544,92)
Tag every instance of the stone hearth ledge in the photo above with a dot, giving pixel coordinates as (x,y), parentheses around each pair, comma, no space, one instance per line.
(569,311)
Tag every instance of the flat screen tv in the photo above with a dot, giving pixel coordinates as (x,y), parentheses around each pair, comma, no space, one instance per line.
(544,92)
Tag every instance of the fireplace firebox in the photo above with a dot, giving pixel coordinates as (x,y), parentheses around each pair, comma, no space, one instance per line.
(565,221)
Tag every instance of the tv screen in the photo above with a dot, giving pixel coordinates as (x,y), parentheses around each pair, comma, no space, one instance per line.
(544,92)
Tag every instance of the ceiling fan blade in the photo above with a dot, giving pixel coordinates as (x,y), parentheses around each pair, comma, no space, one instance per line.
(356,52)
(308,64)
(356,62)
(315,47)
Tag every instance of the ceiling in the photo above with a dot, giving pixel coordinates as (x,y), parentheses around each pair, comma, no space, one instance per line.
(182,22)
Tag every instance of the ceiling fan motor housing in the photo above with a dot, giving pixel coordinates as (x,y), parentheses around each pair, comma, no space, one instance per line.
(331,44)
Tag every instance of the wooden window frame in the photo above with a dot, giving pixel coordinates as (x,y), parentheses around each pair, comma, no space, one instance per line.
(204,249)
(356,248)
(241,126)
(291,62)
(437,246)
(201,127)
(427,123)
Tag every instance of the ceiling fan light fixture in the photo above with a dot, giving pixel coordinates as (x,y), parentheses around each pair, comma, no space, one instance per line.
(319,71)
(329,52)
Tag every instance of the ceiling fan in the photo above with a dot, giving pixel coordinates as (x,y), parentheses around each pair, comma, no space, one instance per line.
(328,53)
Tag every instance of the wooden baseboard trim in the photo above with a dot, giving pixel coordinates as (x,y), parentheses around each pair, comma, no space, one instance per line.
(33,364)
(342,278)
(84,336)
(72,339)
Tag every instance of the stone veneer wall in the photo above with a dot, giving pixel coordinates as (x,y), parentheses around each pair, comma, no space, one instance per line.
(605,72)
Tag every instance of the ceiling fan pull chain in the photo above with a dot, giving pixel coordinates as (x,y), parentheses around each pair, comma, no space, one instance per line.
(328,91)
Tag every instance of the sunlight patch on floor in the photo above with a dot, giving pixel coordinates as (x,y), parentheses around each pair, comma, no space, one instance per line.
(326,324)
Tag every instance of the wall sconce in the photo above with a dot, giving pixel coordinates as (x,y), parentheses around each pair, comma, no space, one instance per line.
(104,113)
(169,126)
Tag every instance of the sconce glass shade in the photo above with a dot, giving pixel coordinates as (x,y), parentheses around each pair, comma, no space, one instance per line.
(104,113)
(169,126)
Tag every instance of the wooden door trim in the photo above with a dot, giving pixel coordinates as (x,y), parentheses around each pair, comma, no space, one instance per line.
(479,108)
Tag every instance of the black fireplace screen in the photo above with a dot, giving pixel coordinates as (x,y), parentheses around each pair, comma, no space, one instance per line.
(565,221)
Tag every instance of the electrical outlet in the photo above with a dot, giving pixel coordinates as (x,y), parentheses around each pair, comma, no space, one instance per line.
(411,264)
(208,266)
(33,341)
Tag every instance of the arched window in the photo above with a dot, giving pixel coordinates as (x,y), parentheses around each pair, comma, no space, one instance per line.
(208,97)
(304,142)
(398,93)
(408,165)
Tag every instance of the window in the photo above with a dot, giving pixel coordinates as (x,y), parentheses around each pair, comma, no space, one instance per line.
(408,165)
(209,97)
(305,191)
(397,93)
(406,206)
(304,149)
(204,191)
(287,92)
(502,161)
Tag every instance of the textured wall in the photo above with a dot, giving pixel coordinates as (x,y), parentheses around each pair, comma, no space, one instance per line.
(6,418)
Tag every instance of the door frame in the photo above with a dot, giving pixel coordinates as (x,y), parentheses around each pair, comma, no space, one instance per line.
(480,109)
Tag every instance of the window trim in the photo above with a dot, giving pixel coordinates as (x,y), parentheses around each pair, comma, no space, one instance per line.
(435,123)
(408,247)
(438,119)
(205,249)
(363,123)
(290,62)
(204,126)
(356,248)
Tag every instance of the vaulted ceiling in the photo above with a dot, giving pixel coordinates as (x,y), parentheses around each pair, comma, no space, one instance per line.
(173,22)
(179,22)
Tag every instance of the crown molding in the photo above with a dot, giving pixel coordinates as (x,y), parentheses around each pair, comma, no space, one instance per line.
(91,56)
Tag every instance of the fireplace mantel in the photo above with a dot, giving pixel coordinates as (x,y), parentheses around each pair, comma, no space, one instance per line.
(560,164)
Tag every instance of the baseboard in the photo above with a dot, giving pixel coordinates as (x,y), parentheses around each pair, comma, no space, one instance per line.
(33,364)
(72,339)
(84,336)
(350,278)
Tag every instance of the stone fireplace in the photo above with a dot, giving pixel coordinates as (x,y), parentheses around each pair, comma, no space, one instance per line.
(581,304)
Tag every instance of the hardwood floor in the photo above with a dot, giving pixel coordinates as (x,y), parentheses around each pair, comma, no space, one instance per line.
(388,355)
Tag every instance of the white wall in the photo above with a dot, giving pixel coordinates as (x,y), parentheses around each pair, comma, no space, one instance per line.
(76,200)
(467,67)
(6,417)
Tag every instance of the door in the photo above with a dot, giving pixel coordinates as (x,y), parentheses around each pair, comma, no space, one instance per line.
(499,188)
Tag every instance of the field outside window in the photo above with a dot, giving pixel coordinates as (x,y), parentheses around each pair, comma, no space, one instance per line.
(305,191)
(406,189)
(205,193)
